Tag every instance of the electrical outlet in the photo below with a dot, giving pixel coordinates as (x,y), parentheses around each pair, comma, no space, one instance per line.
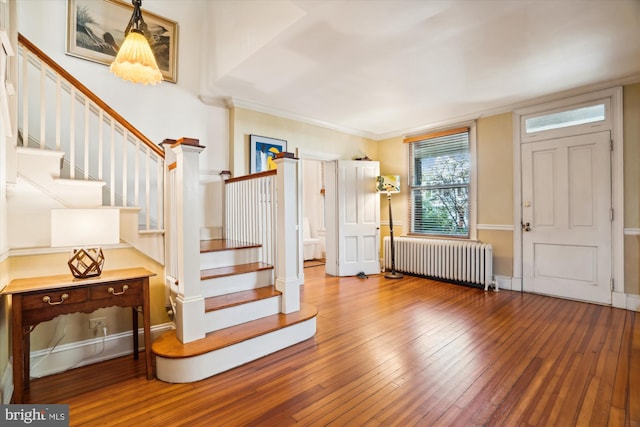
(97,322)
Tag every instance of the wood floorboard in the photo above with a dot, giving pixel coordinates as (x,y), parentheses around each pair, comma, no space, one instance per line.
(395,353)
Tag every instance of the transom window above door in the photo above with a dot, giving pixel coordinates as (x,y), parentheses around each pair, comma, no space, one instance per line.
(573,120)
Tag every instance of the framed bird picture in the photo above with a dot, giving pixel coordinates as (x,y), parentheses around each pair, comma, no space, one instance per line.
(263,152)
(95,31)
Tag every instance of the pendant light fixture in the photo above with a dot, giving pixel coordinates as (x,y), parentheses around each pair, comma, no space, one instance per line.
(135,60)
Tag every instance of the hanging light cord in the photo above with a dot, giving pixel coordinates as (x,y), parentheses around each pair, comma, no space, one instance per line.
(136,22)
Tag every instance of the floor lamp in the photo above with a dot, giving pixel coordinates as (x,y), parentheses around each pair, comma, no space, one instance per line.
(390,184)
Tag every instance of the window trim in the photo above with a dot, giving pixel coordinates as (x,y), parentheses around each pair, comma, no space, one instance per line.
(566,130)
(473,176)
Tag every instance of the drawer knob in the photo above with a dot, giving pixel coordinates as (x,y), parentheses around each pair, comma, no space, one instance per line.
(113,291)
(47,299)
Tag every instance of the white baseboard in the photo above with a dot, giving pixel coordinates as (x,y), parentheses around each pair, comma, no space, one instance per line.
(73,355)
(516,284)
(503,282)
(632,302)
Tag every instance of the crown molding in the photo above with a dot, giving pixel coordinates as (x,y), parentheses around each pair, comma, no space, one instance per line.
(233,102)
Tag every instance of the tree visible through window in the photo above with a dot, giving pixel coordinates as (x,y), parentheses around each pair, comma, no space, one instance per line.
(439,181)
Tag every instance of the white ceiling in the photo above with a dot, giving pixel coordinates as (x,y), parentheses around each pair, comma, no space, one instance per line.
(382,68)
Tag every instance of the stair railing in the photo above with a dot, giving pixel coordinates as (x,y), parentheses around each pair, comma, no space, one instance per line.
(57,112)
(265,208)
(250,212)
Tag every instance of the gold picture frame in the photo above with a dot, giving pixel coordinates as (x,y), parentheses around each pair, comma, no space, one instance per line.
(95,30)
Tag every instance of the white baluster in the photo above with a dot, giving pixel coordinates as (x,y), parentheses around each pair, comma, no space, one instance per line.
(72,135)
(100,144)
(58,111)
(112,163)
(86,137)
(25,97)
(125,168)
(147,189)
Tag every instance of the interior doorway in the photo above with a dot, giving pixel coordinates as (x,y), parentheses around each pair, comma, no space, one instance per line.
(313,206)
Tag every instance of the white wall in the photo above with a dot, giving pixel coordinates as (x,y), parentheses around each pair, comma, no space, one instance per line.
(163,111)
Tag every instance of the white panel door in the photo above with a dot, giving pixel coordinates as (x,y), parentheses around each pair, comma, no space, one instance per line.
(356,223)
(566,189)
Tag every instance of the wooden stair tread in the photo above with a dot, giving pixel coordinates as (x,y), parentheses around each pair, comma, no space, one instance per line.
(167,345)
(232,270)
(216,245)
(238,298)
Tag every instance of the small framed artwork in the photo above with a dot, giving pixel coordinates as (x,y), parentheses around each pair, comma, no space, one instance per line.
(263,152)
(95,32)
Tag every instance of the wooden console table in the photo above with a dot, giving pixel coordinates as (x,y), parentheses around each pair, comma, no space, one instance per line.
(39,299)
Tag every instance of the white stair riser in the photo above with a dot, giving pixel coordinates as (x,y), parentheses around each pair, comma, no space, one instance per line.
(42,169)
(236,315)
(228,258)
(236,283)
(189,369)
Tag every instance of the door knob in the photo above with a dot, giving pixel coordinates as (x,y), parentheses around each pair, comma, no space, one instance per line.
(526,226)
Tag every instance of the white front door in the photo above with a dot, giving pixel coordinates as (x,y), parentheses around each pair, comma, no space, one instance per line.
(566,216)
(353,218)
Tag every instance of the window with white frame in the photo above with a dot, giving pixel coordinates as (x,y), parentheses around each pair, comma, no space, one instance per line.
(440,183)
(566,118)
(564,121)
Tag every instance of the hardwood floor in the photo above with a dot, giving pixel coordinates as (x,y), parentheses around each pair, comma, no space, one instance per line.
(395,352)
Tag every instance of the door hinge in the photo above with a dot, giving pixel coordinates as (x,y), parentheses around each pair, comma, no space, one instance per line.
(611,283)
(611,145)
(611,214)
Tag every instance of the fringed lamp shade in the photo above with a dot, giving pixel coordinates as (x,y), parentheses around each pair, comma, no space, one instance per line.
(135,61)
(388,184)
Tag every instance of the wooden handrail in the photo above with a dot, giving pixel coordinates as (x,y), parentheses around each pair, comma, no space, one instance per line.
(252,176)
(92,96)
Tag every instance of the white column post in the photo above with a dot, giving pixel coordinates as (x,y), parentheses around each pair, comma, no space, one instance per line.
(189,316)
(287,237)
(169,213)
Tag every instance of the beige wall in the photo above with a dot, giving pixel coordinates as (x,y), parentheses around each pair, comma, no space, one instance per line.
(394,158)
(495,186)
(307,137)
(494,136)
(631,105)
(494,144)
(495,169)
(77,324)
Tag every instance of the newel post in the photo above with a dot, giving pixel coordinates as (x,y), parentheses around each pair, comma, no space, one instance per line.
(287,237)
(189,316)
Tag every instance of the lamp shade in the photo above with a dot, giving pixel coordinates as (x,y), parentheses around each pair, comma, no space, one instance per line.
(388,184)
(84,227)
(135,61)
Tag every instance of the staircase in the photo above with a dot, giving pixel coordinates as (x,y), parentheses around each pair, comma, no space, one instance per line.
(74,151)
(242,316)
(233,302)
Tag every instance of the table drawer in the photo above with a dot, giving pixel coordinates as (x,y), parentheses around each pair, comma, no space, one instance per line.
(124,291)
(46,299)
